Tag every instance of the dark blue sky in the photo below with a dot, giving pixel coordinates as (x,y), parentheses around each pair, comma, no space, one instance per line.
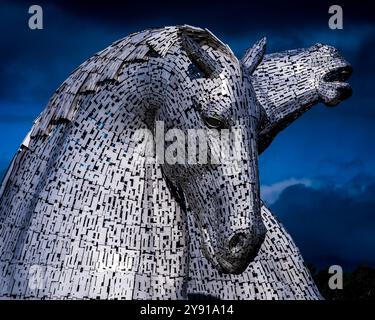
(318,176)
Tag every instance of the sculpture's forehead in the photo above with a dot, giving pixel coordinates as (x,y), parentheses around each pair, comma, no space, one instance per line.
(231,65)
(226,87)
(327,57)
(228,98)
(230,76)
(316,57)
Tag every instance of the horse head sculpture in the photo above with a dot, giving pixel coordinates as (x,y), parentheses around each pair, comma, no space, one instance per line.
(213,91)
(289,83)
(86,213)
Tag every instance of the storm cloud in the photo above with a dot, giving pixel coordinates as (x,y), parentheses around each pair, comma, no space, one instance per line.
(331,224)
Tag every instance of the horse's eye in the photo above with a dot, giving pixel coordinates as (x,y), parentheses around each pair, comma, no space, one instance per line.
(195,72)
(213,123)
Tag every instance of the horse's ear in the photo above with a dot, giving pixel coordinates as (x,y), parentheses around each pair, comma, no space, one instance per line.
(254,55)
(200,57)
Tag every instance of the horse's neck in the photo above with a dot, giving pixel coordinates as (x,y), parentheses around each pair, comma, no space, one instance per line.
(161,237)
(84,208)
(143,229)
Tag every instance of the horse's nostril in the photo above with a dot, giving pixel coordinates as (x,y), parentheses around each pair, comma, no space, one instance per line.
(237,242)
(345,92)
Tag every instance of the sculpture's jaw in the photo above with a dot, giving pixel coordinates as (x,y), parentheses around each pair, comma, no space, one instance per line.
(233,266)
(333,87)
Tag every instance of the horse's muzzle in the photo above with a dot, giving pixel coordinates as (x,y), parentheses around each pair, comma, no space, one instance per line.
(242,247)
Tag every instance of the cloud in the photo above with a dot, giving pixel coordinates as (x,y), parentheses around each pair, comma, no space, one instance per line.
(340,171)
(331,224)
(270,193)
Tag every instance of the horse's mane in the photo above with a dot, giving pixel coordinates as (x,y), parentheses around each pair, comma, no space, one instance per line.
(106,65)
